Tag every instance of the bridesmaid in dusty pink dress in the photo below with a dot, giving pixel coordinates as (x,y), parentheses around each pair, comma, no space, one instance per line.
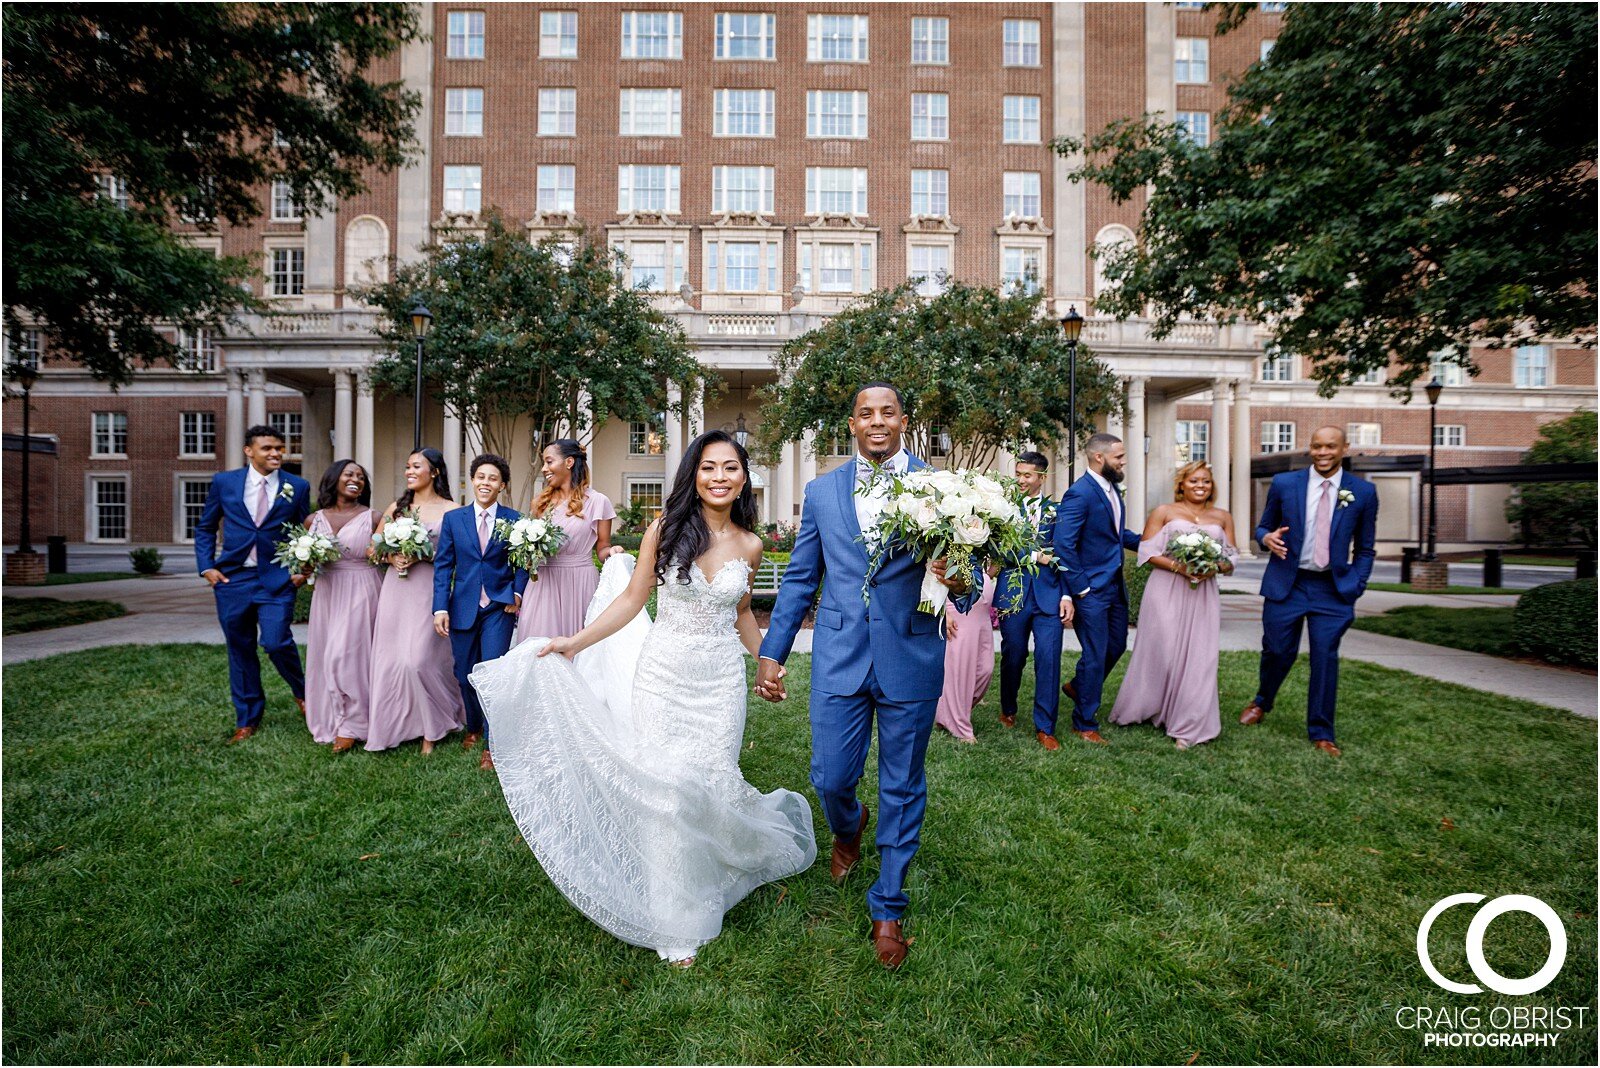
(414,689)
(339,643)
(1172,676)
(968,662)
(554,603)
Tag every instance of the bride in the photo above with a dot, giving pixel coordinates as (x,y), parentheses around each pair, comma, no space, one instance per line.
(622,767)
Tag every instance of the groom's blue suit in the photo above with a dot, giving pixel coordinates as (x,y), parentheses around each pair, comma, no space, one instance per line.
(885,658)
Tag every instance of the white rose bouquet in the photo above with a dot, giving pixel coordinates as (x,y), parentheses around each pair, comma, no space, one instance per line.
(531,541)
(300,550)
(404,534)
(1200,554)
(966,517)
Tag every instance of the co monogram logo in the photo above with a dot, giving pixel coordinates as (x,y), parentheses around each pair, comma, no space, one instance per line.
(1475,931)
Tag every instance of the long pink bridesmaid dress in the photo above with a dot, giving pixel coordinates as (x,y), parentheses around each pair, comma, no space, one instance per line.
(555,605)
(414,688)
(339,643)
(968,663)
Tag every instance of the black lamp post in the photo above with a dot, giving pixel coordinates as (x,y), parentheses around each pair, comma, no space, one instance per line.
(1433,389)
(26,374)
(1072,329)
(421,321)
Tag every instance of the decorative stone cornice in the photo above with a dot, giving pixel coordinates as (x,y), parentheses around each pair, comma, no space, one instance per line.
(743,220)
(830,221)
(930,224)
(653,220)
(1014,226)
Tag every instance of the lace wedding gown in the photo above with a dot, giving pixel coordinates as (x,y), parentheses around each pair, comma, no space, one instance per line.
(622,767)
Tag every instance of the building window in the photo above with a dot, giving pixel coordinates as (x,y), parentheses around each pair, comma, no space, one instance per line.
(741,190)
(1532,366)
(1195,127)
(1021,125)
(1363,433)
(1373,377)
(558,112)
(938,441)
(109,518)
(1191,61)
(652,35)
(1194,440)
(835,267)
(1266,48)
(557,187)
(745,35)
(192,500)
(930,117)
(647,188)
(1187,5)
(558,35)
(647,266)
(742,266)
(115,190)
(836,38)
(645,493)
(836,190)
(929,267)
(199,350)
(1021,48)
(110,434)
(288,272)
(1448,372)
(1277,367)
(463,112)
(464,39)
(284,206)
(1274,9)
(650,113)
(463,189)
(836,441)
(930,192)
(646,439)
(743,113)
(1019,268)
(836,115)
(24,348)
(1021,195)
(1452,434)
(289,426)
(197,434)
(1277,437)
(930,40)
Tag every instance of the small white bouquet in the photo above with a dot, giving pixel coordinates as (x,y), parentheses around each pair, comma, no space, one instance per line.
(966,517)
(300,550)
(531,541)
(1200,554)
(404,534)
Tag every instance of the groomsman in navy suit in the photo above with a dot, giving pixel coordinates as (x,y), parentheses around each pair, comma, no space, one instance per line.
(1031,605)
(1320,525)
(250,506)
(1091,533)
(476,591)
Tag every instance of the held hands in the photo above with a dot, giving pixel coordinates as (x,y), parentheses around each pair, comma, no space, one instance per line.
(957,585)
(1275,543)
(769,680)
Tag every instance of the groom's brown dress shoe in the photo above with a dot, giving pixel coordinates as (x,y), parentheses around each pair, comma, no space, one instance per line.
(1252,713)
(1326,746)
(890,945)
(1070,690)
(1091,736)
(301,703)
(847,851)
(241,734)
(1007,721)
(1047,740)
(472,738)
(486,762)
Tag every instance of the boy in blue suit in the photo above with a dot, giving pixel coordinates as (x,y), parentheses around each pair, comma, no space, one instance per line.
(1321,528)
(249,507)
(1031,604)
(476,591)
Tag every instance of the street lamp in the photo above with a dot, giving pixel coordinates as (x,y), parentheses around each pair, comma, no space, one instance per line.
(1072,329)
(1433,389)
(421,321)
(26,374)
(741,433)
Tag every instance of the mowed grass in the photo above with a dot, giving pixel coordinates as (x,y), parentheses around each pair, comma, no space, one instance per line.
(169,899)
(23,615)
(1482,629)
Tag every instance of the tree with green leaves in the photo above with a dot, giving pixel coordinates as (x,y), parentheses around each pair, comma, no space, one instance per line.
(121,117)
(529,339)
(987,367)
(1559,513)
(1393,180)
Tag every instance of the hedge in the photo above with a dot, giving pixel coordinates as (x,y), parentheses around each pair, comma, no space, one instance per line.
(1556,622)
(1135,577)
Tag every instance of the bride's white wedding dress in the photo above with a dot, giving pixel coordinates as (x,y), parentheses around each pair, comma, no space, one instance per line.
(622,767)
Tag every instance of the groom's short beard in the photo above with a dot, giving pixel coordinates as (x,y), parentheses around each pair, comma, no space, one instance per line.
(1111,474)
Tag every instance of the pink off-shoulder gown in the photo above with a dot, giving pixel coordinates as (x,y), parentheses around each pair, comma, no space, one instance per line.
(968,663)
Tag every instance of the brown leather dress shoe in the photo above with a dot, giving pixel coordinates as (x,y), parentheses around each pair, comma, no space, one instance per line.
(847,851)
(890,945)
(241,734)
(1007,721)
(472,738)
(1326,746)
(1047,740)
(1070,690)
(486,762)
(301,703)
(1252,713)
(343,745)
(1091,736)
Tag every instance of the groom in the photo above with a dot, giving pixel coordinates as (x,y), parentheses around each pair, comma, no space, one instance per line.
(883,659)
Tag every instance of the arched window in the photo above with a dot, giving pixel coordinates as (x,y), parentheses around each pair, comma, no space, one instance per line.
(366,251)
(1109,239)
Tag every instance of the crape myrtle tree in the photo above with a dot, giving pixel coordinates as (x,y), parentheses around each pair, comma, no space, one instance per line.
(121,117)
(986,366)
(1559,513)
(1392,181)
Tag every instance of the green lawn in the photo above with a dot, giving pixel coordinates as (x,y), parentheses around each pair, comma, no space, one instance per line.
(73,578)
(169,899)
(1524,560)
(1405,587)
(1478,630)
(24,614)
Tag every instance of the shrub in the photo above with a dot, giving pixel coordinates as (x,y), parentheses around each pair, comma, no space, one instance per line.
(779,537)
(147,561)
(302,604)
(629,542)
(1556,622)
(631,519)
(1135,577)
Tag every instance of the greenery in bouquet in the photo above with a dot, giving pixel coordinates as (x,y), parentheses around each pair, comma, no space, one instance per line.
(530,541)
(1198,553)
(404,535)
(301,551)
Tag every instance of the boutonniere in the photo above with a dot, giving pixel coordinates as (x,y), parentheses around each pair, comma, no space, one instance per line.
(1346,498)
(286,492)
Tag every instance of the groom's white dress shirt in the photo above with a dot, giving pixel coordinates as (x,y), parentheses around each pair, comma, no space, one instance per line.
(869,505)
(1308,543)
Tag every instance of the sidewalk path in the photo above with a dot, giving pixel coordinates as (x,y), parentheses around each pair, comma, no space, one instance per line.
(179,608)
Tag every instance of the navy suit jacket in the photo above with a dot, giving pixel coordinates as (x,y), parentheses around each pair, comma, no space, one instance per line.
(1352,538)
(1087,545)
(225,512)
(460,570)
(899,644)
(1041,591)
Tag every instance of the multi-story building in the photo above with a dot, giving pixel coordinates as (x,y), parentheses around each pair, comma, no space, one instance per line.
(760,165)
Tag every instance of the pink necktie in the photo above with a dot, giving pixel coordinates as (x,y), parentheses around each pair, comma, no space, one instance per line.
(483,548)
(263,506)
(1323,525)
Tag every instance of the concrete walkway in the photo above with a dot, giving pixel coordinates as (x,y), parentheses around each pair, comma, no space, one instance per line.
(180,608)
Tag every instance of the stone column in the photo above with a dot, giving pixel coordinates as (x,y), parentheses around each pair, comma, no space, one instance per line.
(234,418)
(674,429)
(806,465)
(1218,441)
(1137,495)
(784,473)
(1244,522)
(257,404)
(453,457)
(343,414)
(364,446)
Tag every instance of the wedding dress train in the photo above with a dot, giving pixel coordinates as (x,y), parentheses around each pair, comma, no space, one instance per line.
(621,768)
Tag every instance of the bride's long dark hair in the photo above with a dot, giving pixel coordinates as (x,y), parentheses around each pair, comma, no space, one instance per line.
(683,536)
